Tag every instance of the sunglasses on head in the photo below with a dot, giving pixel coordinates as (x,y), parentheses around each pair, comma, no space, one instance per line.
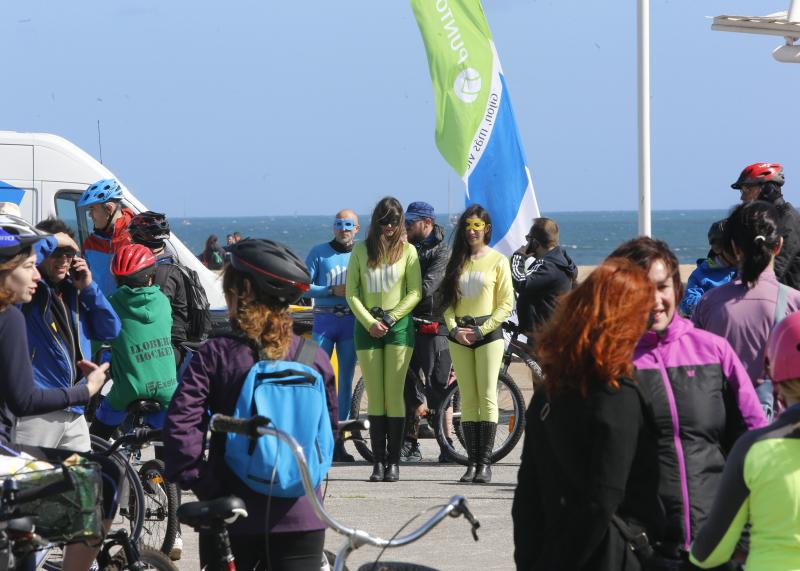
(65,252)
(344,224)
(474,224)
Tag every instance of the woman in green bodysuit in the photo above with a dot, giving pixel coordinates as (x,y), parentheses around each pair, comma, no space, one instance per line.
(383,285)
(478,296)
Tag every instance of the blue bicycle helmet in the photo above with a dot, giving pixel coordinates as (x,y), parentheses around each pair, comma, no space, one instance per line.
(101,192)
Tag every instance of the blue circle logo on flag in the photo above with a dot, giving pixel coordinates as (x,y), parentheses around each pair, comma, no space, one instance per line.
(467,86)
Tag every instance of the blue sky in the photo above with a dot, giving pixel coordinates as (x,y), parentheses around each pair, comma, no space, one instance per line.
(266,107)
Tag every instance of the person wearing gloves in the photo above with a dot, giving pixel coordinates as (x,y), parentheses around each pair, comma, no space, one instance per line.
(478,297)
(383,286)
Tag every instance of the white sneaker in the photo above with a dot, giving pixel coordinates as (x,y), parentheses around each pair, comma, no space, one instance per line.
(177,549)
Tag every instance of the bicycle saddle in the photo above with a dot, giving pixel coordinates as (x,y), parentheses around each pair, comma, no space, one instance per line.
(142,407)
(203,515)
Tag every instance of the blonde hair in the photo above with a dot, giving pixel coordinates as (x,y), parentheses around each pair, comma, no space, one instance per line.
(263,319)
(790,390)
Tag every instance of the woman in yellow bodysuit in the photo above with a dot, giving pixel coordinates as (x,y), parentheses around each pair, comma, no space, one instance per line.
(383,285)
(478,296)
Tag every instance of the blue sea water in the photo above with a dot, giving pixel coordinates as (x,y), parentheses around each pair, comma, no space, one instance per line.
(588,236)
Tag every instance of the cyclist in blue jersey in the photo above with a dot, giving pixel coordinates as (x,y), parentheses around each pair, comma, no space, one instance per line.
(333,320)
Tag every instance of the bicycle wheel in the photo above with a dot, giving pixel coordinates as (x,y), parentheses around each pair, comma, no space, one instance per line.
(148,559)
(130,514)
(358,409)
(510,424)
(160,507)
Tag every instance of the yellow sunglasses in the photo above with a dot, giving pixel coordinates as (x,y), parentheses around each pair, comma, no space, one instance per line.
(474,224)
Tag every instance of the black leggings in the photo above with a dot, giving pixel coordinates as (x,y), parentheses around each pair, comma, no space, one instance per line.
(294,551)
(112,473)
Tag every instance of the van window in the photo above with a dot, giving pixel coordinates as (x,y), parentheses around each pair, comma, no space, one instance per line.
(67,210)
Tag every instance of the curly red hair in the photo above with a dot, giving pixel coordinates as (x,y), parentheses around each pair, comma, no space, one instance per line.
(593,332)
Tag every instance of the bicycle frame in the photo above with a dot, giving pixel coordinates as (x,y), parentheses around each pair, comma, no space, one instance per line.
(356,538)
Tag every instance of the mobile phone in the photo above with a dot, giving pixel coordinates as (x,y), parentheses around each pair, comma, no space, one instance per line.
(75,274)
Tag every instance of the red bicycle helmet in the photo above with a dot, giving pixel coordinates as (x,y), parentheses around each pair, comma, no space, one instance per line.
(782,355)
(132,259)
(759,173)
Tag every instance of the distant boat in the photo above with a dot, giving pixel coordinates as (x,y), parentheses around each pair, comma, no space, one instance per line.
(186,222)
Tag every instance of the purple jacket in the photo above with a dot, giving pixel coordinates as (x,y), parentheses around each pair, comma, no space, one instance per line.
(745,317)
(702,401)
(212,383)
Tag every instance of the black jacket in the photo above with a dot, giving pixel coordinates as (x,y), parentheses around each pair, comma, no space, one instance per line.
(170,279)
(584,460)
(539,283)
(787,262)
(433,256)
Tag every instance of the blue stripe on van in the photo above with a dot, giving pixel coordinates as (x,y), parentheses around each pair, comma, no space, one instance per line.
(10,193)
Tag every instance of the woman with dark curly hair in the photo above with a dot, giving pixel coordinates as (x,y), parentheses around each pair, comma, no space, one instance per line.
(701,396)
(589,472)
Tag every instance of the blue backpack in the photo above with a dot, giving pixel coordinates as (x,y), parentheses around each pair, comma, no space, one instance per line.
(291,394)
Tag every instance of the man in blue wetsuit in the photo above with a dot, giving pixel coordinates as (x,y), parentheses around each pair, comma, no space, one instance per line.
(333,320)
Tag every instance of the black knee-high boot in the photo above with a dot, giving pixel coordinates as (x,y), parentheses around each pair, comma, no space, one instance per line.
(486,434)
(395,428)
(377,436)
(470,430)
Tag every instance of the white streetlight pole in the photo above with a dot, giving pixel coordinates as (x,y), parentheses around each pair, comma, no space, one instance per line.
(643,37)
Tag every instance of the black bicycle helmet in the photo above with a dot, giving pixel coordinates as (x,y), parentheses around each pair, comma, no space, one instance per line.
(274,268)
(149,228)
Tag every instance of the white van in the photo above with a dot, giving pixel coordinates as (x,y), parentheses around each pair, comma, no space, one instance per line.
(46,175)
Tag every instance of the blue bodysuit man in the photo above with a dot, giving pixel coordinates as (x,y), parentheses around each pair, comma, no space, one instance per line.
(333,320)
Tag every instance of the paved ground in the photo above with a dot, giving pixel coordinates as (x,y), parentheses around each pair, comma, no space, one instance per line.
(383,508)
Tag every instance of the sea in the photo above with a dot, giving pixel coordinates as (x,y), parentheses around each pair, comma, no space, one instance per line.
(588,237)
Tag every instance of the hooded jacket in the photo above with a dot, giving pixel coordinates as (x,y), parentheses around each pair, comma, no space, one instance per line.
(56,341)
(99,248)
(703,401)
(539,283)
(433,257)
(142,362)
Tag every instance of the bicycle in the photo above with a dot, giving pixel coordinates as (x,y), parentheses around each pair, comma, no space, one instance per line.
(214,514)
(510,403)
(151,507)
(22,548)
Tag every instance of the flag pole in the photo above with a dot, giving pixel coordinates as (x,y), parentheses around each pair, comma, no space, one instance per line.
(643,61)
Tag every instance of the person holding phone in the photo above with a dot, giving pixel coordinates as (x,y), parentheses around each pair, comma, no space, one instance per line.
(67,311)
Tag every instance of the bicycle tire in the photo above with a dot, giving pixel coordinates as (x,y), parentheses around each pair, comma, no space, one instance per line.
(148,559)
(134,511)
(358,409)
(160,505)
(510,427)
(394,566)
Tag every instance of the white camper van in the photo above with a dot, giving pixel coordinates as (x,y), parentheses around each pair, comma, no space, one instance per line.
(46,175)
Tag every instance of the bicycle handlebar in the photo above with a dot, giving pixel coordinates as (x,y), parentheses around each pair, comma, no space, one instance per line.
(139,437)
(257,426)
